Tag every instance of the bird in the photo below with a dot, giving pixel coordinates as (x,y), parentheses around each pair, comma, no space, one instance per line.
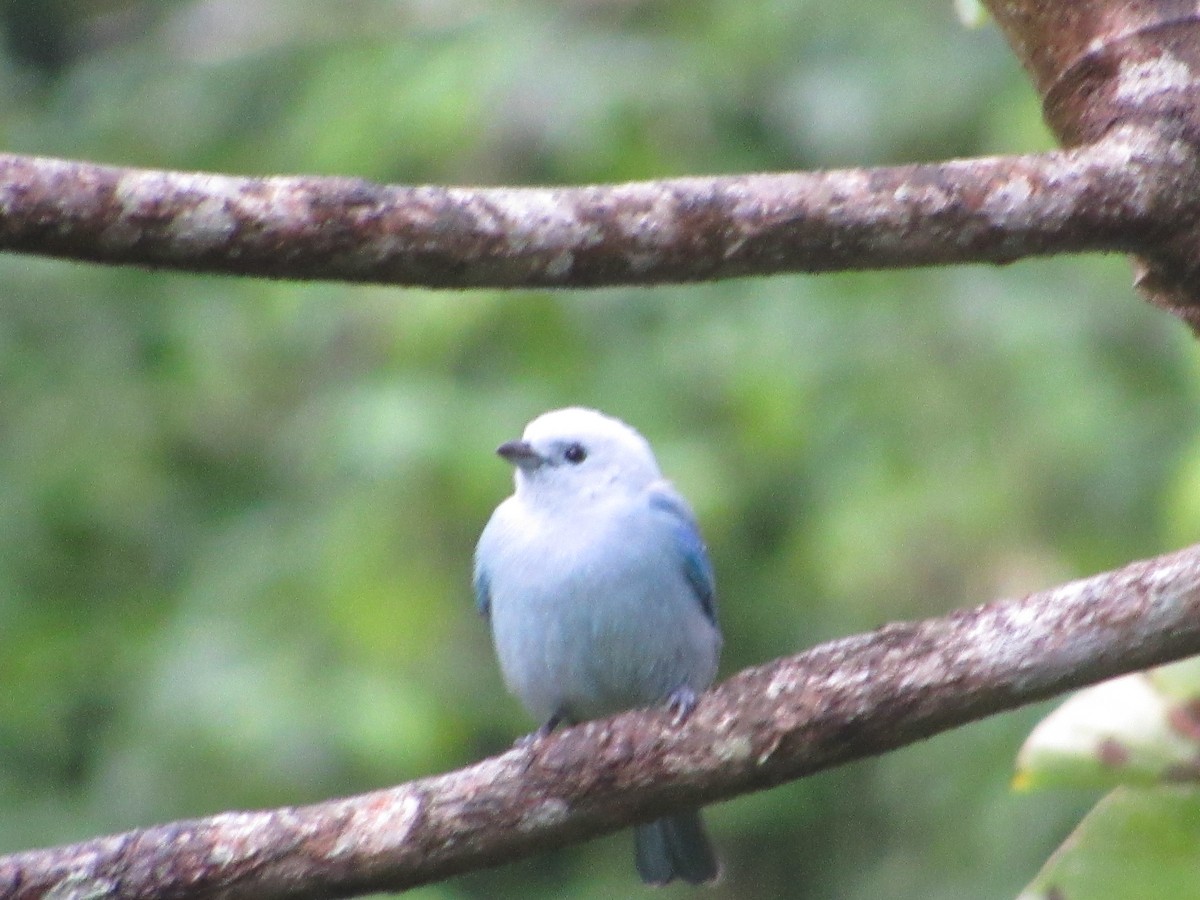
(600,596)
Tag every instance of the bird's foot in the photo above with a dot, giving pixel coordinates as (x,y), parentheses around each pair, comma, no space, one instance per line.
(681,702)
(542,732)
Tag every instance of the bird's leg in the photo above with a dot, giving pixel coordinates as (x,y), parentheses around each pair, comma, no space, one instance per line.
(543,730)
(681,702)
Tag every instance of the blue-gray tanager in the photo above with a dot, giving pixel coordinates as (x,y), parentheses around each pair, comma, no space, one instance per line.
(600,595)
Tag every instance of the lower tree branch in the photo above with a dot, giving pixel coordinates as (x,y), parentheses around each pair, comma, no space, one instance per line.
(1126,192)
(841,701)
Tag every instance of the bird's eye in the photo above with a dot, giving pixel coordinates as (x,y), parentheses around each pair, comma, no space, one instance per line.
(575,454)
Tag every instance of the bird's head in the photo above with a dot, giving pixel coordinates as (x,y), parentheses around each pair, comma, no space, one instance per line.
(577,453)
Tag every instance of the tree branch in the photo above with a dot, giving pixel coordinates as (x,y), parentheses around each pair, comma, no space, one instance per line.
(841,701)
(1121,194)
(1103,64)
(1119,81)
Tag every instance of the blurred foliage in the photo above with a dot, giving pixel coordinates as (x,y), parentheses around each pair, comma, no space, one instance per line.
(1140,729)
(238,516)
(1134,844)
(1142,733)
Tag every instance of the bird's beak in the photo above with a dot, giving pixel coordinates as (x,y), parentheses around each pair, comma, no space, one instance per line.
(520,454)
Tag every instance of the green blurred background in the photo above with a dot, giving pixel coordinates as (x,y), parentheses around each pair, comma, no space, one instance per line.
(236,517)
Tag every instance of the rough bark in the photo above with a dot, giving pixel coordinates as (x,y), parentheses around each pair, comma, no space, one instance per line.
(1104,64)
(838,702)
(1116,196)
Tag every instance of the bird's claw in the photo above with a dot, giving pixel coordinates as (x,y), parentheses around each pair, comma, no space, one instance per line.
(543,731)
(681,702)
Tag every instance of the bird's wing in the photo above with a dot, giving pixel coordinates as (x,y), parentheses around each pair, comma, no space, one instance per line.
(693,554)
(481,579)
(483,594)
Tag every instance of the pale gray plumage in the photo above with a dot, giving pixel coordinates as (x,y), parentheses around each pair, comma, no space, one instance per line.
(600,595)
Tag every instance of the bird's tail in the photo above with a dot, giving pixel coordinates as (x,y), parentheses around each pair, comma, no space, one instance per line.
(677,847)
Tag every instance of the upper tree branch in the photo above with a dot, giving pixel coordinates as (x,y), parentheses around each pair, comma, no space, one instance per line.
(1119,80)
(841,701)
(1100,65)
(1123,194)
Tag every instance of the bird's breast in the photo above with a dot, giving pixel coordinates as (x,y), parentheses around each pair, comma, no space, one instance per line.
(595,617)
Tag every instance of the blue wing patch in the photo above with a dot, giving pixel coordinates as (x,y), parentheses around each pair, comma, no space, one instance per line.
(692,553)
(483,592)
